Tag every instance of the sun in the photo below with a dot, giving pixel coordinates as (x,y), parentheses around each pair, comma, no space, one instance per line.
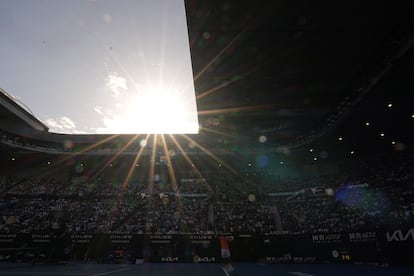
(158,110)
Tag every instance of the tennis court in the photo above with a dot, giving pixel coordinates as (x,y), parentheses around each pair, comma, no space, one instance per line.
(190,269)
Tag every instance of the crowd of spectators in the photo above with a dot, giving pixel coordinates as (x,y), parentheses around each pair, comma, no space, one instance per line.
(331,203)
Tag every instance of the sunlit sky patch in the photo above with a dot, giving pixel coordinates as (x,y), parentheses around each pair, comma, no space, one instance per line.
(101,66)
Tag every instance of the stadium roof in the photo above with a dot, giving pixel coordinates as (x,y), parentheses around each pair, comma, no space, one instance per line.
(292,70)
(14,114)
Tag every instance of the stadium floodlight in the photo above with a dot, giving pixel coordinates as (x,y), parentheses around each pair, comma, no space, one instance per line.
(101,66)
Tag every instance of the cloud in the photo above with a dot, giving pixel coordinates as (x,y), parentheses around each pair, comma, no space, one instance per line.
(117,85)
(108,117)
(62,125)
(113,124)
(107,18)
(98,109)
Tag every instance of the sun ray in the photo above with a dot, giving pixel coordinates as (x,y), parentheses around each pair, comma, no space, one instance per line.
(189,161)
(152,165)
(124,184)
(217,56)
(172,177)
(62,159)
(235,79)
(214,157)
(112,56)
(131,168)
(212,90)
(217,132)
(124,70)
(91,146)
(236,109)
(248,26)
(162,54)
(117,154)
(169,164)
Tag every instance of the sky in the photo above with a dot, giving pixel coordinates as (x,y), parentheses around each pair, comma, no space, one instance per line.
(100,66)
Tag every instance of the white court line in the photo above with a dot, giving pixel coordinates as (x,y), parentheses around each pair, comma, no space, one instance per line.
(110,272)
(301,274)
(43,273)
(61,273)
(225,271)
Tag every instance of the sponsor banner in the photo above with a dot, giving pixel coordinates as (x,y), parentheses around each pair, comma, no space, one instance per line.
(273,247)
(327,238)
(203,238)
(362,237)
(287,258)
(204,259)
(400,235)
(303,260)
(161,238)
(81,238)
(41,238)
(174,259)
(120,239)
(7,238)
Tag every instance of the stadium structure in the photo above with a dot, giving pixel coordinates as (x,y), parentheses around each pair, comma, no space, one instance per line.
(305,151)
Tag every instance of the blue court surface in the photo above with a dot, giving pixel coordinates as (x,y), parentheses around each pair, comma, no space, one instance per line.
(187,269)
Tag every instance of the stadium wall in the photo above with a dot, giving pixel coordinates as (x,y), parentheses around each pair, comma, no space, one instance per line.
(391,247)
